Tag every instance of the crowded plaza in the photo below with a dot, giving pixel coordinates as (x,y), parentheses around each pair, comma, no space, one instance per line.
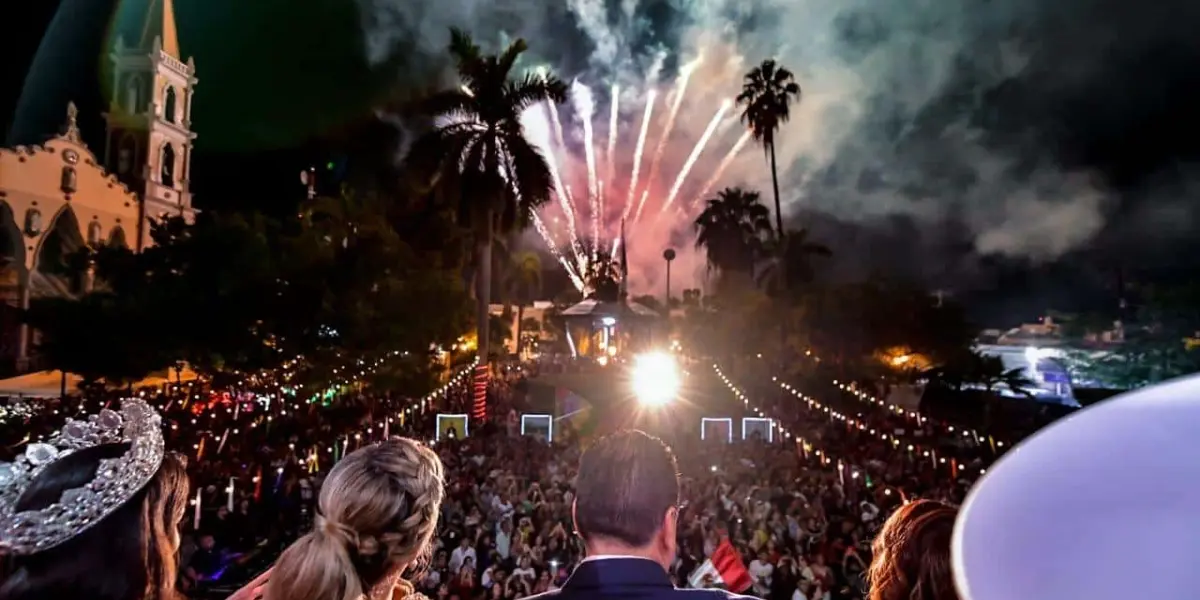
(794,492)
(715,300)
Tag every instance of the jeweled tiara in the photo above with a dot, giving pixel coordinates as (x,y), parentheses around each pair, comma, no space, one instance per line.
(116,480)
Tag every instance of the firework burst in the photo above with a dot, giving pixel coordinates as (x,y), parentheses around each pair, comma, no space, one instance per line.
(623,186)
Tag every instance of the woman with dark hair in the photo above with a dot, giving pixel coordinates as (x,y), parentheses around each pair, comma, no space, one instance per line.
(912,554)
(94,513)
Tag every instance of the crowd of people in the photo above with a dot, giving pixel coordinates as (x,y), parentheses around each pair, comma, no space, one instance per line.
(802,522)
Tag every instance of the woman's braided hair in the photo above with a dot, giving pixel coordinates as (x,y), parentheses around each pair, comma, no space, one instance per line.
(377,513)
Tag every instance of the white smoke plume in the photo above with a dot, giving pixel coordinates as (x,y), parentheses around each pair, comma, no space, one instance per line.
(889,122)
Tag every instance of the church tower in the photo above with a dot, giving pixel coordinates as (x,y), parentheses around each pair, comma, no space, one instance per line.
(149,137)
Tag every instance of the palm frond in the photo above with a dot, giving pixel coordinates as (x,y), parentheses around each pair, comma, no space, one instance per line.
(508,58)
(468,57)
(767,92)
(530,171)
(449,102)
(533,89)
(782,76)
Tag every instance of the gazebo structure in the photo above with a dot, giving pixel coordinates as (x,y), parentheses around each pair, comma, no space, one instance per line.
(601,330)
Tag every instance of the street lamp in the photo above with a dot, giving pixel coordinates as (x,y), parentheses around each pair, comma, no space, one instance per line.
(668,255)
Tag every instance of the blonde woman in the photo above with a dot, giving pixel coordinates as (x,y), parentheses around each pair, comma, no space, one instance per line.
(377,512)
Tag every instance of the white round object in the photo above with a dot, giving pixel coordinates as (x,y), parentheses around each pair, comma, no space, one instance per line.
(1102,505)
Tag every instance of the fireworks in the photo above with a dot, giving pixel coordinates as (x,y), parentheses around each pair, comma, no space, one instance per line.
(618,176)
(700,144)
(725,162)
(637,153)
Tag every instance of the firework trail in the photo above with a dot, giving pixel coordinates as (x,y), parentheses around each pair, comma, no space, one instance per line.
(562,146)
(680,91)
(696,151)
(585,108)
(554,118)
(600,196)
(603,171)
(537,127)
(641,204)
(637,153)
(545,233)
(613,125)
(725,162)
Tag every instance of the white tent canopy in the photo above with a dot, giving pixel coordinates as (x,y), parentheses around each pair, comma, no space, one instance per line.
(40,384)
(49,384)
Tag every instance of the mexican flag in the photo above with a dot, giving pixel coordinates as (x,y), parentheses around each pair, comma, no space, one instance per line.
(578,414)
(724,568)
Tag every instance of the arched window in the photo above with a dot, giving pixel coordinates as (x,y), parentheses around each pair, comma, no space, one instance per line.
(33,221)
(169,104)
(116,239)
(94,234)
(126,155)
(67,183)
(167,174)
(133,94)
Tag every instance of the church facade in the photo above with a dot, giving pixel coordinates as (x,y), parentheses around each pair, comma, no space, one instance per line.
(64,194)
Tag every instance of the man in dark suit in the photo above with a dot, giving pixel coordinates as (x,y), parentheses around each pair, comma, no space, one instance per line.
(626,508)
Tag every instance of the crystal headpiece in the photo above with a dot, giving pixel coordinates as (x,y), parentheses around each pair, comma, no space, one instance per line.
(116,480)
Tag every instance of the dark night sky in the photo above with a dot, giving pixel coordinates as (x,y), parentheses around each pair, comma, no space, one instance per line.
(1111,87)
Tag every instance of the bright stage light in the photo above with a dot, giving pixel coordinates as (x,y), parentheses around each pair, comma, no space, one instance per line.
(655,378)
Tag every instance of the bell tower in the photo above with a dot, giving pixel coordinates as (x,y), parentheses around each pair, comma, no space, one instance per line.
(149,137)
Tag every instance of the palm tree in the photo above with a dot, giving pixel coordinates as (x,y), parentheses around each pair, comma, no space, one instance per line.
(603,278)
(990,372)
(767,92)
(478,147)
(525,285)
(733,229)
(973,368)
(792,261)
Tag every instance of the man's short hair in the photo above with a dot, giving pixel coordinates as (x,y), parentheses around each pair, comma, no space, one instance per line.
(627,481)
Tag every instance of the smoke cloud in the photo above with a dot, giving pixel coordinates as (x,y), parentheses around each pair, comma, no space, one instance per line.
(898,116)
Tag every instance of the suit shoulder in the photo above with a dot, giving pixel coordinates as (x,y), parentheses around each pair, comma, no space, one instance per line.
(547,595)
(711,594)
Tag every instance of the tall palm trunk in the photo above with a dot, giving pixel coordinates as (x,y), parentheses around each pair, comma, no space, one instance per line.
(782,260)
(775,184)
(483,286)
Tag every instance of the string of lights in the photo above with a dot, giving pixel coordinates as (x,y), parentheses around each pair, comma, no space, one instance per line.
(850,422)
(341,442)
(260,410)
(806,449)
(916,417)
(339,445)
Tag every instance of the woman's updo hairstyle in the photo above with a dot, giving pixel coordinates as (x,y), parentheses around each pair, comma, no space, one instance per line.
(377,513)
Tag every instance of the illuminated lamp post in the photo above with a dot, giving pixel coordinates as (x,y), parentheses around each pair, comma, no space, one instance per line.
(668,255)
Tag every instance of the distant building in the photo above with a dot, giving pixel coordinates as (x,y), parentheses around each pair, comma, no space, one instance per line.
(1040,350)
(1049,332)
(59,196)
(1045,367)
(1046,332)
(536,311)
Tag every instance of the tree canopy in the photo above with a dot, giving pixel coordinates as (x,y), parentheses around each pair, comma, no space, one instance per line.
(336,284)
(477,152)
